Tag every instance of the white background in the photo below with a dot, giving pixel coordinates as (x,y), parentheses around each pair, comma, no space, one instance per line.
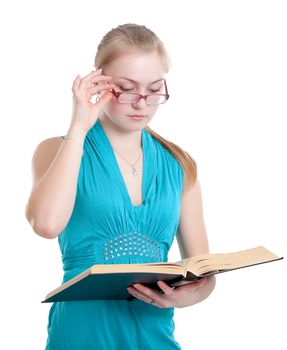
(227,109)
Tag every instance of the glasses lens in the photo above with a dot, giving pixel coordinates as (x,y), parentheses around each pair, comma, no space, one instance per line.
(155,99)
(150,100)
(128,98)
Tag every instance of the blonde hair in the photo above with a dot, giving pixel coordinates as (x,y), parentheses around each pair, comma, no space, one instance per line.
(130,38)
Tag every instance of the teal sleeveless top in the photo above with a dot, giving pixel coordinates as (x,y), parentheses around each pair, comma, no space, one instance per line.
(106,228)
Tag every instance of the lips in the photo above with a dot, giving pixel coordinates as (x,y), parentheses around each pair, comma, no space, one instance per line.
(137,116)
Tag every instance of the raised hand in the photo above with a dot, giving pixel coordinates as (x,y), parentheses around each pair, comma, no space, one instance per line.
(85,112)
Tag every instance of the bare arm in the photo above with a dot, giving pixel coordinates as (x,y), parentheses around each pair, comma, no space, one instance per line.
(191,234)
(55,168)
(56,163)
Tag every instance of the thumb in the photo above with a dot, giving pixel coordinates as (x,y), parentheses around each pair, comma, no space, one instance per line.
(194,285)
(104,99)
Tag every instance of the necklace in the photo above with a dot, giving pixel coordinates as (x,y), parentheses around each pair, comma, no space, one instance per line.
(134,170)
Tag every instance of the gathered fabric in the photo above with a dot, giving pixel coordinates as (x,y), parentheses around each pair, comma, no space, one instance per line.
(106,228)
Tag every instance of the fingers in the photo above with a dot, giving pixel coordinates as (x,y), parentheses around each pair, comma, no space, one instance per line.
(76,84)
(170,298)
(92,84)
(193,285)
(97,77)
(80,80)
(143,293)
(95,80)
(165,288)
(104,99)
(200,283)
(97,88)
(87,78)
(147,294)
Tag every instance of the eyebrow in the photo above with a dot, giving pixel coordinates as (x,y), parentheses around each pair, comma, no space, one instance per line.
(134,81)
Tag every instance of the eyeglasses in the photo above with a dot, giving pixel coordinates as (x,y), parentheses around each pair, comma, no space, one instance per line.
(151,99)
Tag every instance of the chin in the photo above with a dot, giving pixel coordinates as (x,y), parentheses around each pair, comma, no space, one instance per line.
(137,124)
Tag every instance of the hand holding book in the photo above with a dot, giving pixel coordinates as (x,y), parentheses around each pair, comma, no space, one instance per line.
(104,281)
(179,297)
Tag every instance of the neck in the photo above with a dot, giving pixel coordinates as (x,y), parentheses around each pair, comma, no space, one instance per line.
(124,141)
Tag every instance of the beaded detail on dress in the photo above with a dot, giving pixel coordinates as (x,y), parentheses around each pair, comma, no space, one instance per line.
(131,244)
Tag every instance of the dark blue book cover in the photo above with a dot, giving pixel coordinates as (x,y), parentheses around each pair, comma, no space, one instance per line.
(111,281)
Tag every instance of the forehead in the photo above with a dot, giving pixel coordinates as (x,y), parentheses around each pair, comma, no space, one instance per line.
(142,68)
(137,82)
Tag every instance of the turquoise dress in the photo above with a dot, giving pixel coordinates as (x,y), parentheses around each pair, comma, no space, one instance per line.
(106,228)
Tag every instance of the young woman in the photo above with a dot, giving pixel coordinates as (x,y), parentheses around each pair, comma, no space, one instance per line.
(113,191)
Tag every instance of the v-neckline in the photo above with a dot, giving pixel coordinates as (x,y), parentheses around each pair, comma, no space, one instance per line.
(119,173)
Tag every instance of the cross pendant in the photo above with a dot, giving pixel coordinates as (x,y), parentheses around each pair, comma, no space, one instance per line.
(134,171)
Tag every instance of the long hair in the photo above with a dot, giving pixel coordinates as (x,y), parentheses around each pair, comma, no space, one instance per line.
(128,38)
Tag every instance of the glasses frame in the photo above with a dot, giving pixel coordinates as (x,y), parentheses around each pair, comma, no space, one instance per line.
(118,94)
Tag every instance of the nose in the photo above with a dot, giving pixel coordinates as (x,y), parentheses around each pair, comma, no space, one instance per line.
(140,103)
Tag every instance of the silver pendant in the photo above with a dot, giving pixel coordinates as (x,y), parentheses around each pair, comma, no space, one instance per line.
(134,171)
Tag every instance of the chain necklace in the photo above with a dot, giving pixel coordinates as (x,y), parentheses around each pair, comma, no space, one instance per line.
(134,170)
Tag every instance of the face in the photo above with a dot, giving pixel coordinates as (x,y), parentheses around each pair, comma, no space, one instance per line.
(138,73)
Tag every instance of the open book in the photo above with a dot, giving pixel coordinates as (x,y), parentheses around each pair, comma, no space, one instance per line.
(105,281)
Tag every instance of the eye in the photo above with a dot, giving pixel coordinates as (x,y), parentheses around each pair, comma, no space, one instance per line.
(155,91)
(124,89)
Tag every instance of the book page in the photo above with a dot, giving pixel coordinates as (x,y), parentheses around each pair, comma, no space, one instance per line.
(205,263)
(163,267)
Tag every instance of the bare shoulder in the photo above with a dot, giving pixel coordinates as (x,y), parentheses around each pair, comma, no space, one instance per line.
(43,156)
(48,146)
